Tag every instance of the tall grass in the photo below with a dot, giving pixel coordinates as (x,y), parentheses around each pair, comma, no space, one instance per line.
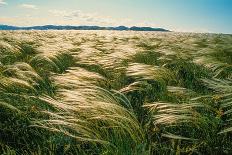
(115,93)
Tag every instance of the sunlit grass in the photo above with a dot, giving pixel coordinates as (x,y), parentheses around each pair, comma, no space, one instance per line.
(116,93)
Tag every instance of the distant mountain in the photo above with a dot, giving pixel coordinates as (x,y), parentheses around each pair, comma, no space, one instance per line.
(56,27)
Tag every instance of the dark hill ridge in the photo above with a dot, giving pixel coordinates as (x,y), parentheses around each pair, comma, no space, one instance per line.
(56,27)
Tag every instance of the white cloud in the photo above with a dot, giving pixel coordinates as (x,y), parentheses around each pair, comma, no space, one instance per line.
(2,2)
(84,18)
(58,13)
(65,17)
(72,15)
(28,6)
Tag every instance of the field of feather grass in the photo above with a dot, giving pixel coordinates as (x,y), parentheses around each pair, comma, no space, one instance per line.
(115,93)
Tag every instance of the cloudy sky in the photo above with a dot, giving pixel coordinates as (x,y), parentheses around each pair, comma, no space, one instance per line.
(176,15)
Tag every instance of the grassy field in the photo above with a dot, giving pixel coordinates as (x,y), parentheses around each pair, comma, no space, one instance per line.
(115,93)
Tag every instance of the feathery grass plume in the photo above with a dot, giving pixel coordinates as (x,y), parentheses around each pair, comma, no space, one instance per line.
(94,115)
(112,66)
(57,103)
(21,51)
(48,65)
(188,125)
(219,85)
(76,77)
(152,76)
(223,97)
(179,94)
(94,68)
(174,114)
(19,106)
(180,90)
(149,83)
(8,53)
(43,65)
(9,106)
(23,71)
(57,63)
(148,72)
(14,85)
(219,69)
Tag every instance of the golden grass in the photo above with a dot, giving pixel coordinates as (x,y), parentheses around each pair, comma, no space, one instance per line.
(110,92)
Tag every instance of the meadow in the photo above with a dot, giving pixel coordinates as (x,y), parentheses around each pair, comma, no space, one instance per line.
(115,93)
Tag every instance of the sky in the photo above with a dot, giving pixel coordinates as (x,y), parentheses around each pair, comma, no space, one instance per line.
(177,15)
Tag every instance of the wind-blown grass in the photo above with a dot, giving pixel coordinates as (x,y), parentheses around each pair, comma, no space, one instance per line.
(115,93)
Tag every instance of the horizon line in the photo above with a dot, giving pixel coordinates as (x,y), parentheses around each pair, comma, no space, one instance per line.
(162,29)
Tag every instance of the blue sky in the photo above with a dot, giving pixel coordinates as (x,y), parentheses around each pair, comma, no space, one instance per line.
(176,15)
